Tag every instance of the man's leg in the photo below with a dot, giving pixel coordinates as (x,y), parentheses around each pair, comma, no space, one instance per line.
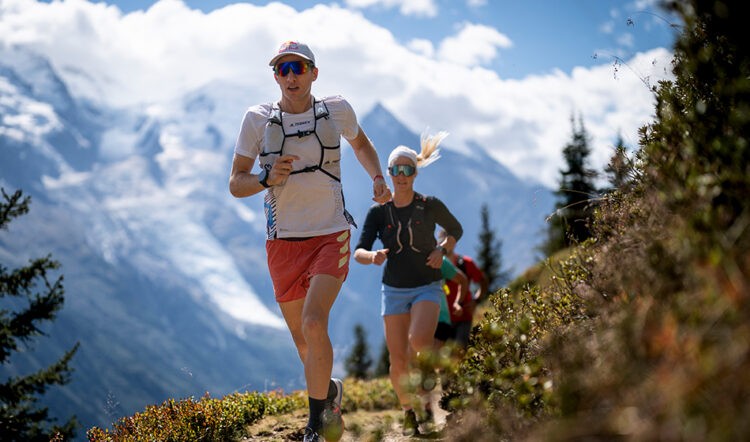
(319,358)
(292,312)
(318,361)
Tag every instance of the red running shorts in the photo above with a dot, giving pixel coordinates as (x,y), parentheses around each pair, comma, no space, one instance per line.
(292,263)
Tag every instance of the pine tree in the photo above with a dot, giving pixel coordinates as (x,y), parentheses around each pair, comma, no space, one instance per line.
(358,362)
(489,258)
(621,169)
(570,223)
(29,298)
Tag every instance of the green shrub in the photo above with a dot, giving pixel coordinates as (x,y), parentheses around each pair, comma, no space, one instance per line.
(648,338)
(374,394)
(504,365)
(207,419)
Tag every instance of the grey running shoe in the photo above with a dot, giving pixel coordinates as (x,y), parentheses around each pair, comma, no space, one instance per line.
(333,423)
(311,436)
(336,398)
(410,424)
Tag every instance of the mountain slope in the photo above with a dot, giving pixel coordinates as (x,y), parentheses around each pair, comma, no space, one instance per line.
(148,287)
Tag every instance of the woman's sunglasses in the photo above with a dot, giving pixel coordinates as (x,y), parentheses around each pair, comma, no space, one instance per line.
(406,169)
(298,67)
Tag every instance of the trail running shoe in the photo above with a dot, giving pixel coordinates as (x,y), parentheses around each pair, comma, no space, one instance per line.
(410,424)
(335,398)
(311,436)
(333,423)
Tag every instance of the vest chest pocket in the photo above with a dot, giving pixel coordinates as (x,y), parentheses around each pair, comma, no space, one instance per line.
(330,140)
(273,141)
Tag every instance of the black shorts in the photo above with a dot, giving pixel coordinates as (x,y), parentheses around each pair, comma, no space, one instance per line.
(444,331)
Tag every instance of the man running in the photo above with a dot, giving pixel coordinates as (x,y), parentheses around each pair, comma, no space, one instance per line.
(297,141)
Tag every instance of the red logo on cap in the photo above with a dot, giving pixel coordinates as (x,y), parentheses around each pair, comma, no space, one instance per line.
(287,45)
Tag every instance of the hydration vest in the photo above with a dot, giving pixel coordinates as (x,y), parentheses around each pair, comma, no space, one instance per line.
(421,238)
(324,131)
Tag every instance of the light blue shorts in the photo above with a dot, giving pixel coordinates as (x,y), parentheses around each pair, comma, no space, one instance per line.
(396,300)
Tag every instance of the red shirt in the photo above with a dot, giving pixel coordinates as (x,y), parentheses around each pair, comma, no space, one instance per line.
(474,274)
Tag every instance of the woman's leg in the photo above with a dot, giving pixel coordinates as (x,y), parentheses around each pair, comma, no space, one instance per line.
(424,319)
(397,341)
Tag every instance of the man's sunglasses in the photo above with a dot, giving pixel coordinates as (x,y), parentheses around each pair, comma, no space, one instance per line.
(406,169)
(298,67)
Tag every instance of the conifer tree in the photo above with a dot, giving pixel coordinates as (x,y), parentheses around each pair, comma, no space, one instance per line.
(621,169)
(358,362)
(570,224)
(28,298)
(489,258)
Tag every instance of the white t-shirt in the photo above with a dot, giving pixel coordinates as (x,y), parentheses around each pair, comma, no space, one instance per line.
(309,203)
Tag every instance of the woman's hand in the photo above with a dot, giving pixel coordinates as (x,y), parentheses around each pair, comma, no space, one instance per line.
(435,259)
(379,256)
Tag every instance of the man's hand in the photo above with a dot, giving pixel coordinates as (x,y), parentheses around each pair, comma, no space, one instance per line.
(381,192)
(281,170)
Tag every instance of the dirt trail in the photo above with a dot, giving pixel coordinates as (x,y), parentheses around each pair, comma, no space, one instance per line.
(361,426)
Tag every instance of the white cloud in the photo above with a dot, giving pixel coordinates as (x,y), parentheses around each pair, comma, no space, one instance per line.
(473,45)
(422,47)
(419,8)
(156,55)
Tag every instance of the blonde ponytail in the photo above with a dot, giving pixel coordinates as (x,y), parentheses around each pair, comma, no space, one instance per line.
(430,151)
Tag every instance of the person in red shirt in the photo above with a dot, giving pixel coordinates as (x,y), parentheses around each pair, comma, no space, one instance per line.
(462,302)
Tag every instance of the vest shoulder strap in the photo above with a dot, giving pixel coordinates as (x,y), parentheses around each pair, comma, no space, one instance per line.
(275,115)
(320,110)
(420,202)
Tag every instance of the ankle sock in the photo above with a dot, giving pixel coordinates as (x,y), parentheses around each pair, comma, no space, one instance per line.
(317,406)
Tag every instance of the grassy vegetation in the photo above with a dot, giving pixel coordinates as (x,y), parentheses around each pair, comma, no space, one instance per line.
(207,419)
(225,419)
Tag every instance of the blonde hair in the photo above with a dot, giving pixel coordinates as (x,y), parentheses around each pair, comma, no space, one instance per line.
(429,148)
(428,154)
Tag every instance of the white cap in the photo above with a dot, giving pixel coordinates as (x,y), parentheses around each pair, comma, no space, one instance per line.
(402,151)
(293,47)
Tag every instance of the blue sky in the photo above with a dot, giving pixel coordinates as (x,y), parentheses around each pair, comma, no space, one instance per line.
(545,34)
(507,75)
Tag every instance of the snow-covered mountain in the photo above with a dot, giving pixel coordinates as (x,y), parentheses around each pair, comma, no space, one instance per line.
(166,283)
